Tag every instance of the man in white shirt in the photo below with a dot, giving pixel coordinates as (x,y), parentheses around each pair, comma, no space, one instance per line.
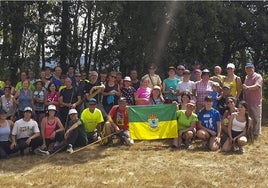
(25,133)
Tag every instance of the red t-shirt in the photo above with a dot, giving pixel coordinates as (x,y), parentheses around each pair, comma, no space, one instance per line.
(120,117)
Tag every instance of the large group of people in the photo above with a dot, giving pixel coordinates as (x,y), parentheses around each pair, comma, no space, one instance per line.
(56,110)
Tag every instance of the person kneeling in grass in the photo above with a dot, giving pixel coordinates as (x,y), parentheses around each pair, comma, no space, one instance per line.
(76,134)
(118,122)
(239,125)
(209,125)
(187,120)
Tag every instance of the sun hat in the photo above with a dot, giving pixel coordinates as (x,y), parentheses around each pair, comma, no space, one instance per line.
(127,78)
(28,109)
(72,111)
(51,107)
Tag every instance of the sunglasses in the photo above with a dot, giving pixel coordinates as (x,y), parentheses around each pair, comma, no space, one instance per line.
(77,76)
(113,76)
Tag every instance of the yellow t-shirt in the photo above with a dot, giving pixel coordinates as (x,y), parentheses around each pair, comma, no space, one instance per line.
(232,85)
(91,120)
(2,84)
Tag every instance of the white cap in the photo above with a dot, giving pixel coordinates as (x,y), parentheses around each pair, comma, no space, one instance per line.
(28,109)
(72,111)
(230,65)
(51,107)
(127,78)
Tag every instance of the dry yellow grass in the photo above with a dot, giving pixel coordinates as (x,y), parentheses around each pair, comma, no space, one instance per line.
(146,164)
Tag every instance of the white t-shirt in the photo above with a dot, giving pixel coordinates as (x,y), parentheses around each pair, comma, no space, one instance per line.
(185,86)
(25,129)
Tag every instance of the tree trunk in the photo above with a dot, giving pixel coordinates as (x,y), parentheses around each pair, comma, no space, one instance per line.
(64,36)
(86,62)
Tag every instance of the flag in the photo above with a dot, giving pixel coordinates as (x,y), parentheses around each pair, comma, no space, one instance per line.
(153,122)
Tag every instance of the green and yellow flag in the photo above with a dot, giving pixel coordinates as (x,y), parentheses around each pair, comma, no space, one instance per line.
(153,122)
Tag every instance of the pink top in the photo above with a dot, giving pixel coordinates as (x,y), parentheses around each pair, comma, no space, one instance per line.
(253,97)
(50,128)
(53,97)
(143,93)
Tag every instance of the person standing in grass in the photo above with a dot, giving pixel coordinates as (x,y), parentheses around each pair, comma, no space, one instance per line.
(252,88)
(209,125)
(239,125)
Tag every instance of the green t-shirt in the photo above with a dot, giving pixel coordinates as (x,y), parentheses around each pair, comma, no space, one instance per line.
(81,127)
(185,122)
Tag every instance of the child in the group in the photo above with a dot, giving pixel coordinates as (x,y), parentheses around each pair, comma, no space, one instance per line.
(215,94)
(142,95)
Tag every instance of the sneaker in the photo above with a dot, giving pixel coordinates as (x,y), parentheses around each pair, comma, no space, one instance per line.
(241,150)
(39,151)
(128,141)
(70,149)
(205,145)
(187,144)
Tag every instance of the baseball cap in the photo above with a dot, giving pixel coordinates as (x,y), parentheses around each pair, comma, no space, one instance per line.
(230,65)
(127,78)
(92,100)
(28,109)
(197,70)
(72,111)
(51,107)
(249,65)
(196,62)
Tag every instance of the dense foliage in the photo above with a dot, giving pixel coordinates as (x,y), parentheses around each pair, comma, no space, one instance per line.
(131,34)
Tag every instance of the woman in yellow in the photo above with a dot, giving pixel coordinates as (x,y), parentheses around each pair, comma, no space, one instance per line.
(233,81)
(187,120)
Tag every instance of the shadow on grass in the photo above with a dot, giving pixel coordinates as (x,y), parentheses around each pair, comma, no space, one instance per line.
(20,164)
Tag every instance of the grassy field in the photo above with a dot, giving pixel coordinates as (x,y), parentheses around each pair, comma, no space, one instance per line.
(146,164)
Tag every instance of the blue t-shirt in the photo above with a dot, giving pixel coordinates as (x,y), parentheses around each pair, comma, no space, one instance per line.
(209,118)
(214,96)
